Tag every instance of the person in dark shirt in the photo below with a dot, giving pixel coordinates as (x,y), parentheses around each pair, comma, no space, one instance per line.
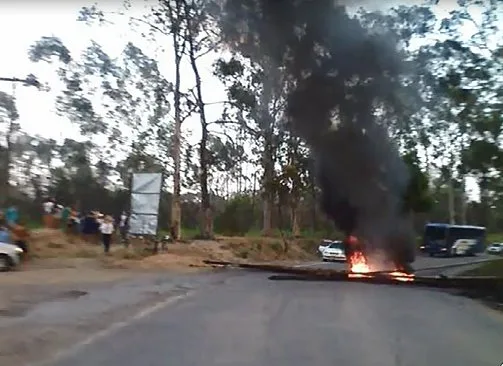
(89,227)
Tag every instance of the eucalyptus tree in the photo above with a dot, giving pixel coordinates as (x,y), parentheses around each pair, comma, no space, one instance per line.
(8,121)
(184,25)
(121,100)
(256,101)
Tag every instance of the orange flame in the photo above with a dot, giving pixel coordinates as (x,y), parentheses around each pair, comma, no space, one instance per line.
(402,276)
(358,263)
(359,267)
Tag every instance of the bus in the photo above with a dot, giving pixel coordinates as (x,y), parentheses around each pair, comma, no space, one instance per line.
(453,240)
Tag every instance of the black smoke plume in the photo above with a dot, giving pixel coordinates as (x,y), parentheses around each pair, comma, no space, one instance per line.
(341,73)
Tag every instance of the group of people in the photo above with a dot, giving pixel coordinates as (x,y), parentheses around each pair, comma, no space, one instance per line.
(12,229)
(58,216)
(88,225)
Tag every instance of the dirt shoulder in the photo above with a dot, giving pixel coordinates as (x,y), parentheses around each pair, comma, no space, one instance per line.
(47,244)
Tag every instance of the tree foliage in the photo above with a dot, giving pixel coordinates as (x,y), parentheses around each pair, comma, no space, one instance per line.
(439,98)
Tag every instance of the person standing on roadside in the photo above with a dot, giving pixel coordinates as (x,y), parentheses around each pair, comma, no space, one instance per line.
(123,227)
(12,215)
(107,229)
(20,235)
(65,218)
(5,236)
(48,207)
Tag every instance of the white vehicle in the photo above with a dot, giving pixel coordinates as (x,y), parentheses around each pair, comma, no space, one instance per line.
(324,244)
(495,248)
(9,256)
(334,252)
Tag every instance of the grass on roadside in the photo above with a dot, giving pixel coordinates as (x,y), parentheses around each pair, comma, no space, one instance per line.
(493,268)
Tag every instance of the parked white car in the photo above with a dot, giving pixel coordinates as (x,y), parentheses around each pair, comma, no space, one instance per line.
(324,244)
(9,256)
(495,248)
(334,252)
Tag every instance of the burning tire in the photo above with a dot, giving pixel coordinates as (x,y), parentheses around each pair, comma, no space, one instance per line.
(398,255)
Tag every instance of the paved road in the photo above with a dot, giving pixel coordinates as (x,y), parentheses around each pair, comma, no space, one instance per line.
(420,263)
(249,320)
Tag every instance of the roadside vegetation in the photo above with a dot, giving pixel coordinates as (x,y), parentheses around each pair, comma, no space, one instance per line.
(493,268)
(48,244)
(231,168)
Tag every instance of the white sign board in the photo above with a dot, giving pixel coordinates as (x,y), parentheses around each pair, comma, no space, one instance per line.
(147,183)
(143,224)
(147,204)
(145,198)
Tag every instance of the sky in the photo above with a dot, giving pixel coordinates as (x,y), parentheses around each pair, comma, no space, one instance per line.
(24,22)
(36,108)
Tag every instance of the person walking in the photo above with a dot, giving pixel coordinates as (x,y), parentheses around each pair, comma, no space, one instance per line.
(107,229)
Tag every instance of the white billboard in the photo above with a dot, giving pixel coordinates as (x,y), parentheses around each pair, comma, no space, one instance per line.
(145,198)
(147,183)
(147,204)
(143,224)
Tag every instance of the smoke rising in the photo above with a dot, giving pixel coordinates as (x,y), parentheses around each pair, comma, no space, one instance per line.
(341,73)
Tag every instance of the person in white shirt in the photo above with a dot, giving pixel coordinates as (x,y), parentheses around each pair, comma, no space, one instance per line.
(48,208)
(107,229)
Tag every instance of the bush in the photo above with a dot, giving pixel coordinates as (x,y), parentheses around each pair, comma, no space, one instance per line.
(237,218)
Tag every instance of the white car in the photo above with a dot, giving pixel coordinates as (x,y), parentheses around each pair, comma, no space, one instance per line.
(324,244)
(495,248)
(9,256)
(334,252)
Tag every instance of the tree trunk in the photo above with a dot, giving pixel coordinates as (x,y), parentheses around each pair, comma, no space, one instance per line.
(294,216)
(206,224)
(484,200)
(451,202)
(265,124)
(5,194)
(268,196)
(176,211)
(464,201)
(176,207)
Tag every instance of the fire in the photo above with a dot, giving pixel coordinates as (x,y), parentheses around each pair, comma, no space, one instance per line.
(358,263)
(360,268)
(401,276)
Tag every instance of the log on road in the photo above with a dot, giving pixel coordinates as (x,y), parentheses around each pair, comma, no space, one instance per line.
(319,274)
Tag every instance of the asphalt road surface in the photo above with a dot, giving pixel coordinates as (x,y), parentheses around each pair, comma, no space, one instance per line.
(248,320)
